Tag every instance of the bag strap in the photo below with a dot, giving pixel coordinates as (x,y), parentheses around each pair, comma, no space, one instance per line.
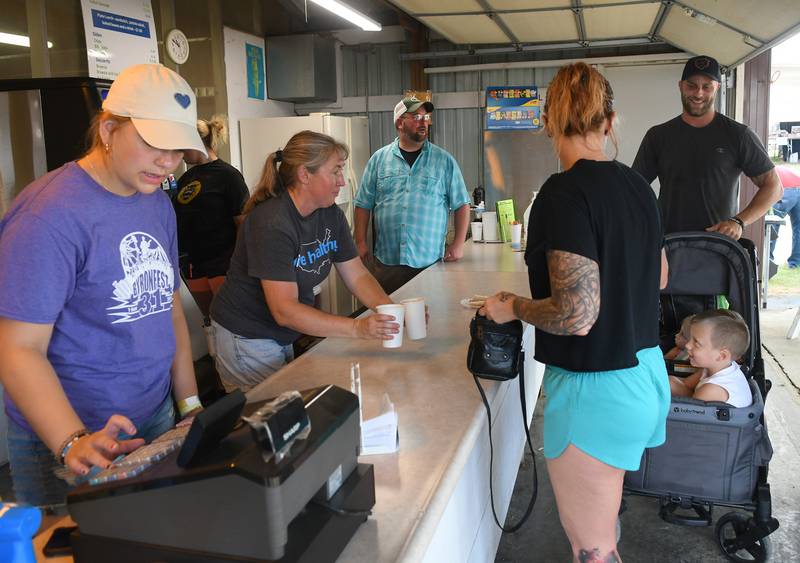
(523,404)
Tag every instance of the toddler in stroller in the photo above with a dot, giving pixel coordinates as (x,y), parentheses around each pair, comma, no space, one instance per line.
(718,339)
(727,448)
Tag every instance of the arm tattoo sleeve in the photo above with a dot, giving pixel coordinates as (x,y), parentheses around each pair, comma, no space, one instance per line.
(574,301)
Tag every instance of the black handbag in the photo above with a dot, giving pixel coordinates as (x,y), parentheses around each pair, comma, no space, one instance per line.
(495,350)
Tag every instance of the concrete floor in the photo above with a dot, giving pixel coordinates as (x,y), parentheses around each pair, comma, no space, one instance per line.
(645,537)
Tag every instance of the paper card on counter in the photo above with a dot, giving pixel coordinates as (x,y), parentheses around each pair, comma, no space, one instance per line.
(379,435)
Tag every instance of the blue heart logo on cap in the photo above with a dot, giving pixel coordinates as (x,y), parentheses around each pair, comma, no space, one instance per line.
(183,99)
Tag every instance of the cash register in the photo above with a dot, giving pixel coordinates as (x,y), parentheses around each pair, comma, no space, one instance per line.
(212,492)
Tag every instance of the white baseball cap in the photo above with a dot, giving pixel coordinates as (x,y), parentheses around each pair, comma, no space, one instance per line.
(161,105)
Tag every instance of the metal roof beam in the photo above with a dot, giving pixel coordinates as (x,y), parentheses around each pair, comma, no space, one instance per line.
(530,10)
(497,21)
(621,42)
(580,24)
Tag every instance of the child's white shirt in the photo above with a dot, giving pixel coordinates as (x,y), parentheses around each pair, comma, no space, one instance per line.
(734,382)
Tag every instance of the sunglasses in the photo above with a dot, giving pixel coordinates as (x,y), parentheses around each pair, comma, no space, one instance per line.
(420,116)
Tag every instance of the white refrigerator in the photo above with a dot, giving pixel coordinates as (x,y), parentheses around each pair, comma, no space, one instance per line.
(260,136)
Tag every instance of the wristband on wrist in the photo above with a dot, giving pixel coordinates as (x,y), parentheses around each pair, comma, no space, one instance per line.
(187,405)
(67,444)
(738,221)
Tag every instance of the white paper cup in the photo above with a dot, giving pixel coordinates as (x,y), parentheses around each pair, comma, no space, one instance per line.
(489,225)
(415,318)
(398,312)
(516,235)
(477,230)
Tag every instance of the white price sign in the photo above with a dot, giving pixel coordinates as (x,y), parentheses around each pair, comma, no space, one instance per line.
(119,33)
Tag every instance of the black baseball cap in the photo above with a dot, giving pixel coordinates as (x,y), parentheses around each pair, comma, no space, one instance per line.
(702,64)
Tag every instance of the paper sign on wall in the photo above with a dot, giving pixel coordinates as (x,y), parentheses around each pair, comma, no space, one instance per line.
(255,71)
(119,33)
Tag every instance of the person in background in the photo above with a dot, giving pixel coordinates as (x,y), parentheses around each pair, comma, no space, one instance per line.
(93,340)
(292,235)
(788,205)
(719,338)
(208,203)
(411,186)
(595,262)
(698,158)
(679,352)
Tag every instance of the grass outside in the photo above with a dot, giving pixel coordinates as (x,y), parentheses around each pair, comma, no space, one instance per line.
(786,281)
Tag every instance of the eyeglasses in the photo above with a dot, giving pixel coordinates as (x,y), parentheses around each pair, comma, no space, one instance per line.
(420,116)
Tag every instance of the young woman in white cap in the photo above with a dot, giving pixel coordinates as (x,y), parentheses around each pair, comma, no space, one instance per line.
(93,340)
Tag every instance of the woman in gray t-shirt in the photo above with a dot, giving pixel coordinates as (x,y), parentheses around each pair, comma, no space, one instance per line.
(293,233)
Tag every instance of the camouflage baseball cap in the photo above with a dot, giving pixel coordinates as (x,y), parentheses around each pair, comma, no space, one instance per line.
(410,104)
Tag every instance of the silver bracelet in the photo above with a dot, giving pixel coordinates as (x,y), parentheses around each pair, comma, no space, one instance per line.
(738,221)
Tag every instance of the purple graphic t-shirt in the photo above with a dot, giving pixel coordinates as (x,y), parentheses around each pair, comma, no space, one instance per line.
(102,269)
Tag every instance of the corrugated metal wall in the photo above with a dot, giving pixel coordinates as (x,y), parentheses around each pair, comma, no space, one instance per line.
(376,70)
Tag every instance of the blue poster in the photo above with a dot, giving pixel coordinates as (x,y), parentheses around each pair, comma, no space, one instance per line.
(255,71)
(512,107)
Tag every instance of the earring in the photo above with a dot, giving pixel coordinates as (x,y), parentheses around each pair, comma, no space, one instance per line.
(108,149)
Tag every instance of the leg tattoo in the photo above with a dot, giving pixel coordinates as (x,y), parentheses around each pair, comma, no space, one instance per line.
(593,556)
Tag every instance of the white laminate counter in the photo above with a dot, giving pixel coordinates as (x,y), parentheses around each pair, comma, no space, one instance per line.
(432,496)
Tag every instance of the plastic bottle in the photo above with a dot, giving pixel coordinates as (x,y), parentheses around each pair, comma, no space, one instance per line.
(18,524)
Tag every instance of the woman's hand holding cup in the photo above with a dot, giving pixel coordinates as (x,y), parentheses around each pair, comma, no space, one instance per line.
(377,326)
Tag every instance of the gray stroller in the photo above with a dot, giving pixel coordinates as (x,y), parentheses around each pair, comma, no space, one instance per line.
(727,449)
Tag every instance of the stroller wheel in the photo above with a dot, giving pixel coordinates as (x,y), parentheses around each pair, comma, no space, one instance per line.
(730,528)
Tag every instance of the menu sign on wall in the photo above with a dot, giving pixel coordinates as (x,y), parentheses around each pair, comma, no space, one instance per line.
(119,33)
(512,107)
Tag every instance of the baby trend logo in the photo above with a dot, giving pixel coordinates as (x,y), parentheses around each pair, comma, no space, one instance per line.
(314,255)
(147,286)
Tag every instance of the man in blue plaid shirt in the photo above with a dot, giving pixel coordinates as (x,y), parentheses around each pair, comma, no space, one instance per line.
(411,186)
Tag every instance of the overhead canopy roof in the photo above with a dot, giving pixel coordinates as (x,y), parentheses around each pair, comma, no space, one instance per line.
(732,31)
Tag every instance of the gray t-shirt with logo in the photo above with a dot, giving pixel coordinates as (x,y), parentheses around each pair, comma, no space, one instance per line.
(698,169)
(276,243)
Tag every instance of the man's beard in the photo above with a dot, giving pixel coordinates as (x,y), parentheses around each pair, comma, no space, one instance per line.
(414,134)
(693,110)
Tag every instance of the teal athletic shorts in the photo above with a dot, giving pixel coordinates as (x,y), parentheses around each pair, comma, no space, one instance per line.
(610,415)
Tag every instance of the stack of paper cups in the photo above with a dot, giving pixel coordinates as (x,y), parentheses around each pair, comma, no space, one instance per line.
(489,225)
(516,235)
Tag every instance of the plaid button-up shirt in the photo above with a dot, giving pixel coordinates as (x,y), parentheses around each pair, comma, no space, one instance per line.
(411,204)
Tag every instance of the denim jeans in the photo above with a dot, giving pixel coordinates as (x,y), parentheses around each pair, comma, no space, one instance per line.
(790,205)
(32,463)
(243,363)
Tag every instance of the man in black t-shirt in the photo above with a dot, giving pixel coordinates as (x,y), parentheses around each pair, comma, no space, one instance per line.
(698,157)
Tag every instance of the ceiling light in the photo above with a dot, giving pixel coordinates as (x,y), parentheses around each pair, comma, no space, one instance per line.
(348,13)
(19,40)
